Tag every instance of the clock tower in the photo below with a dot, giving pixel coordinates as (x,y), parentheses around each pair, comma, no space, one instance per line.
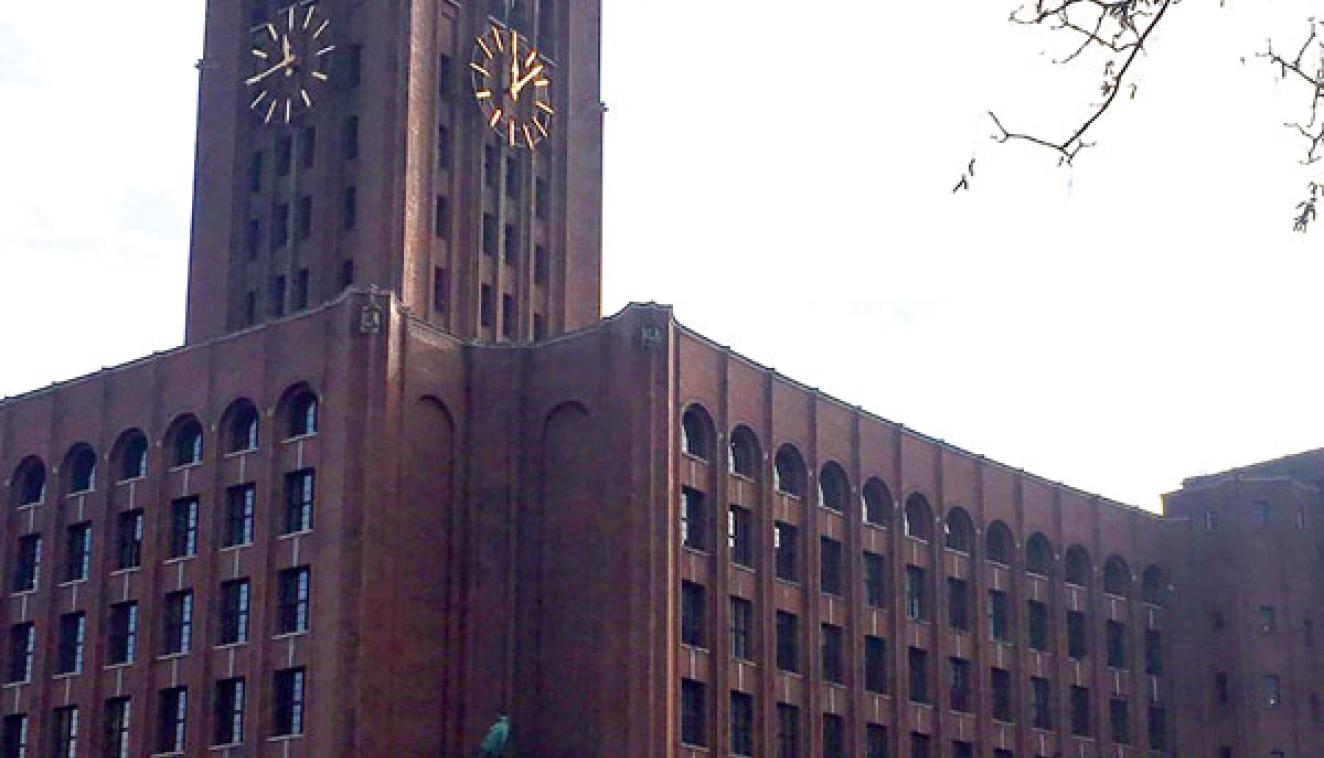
(448,151)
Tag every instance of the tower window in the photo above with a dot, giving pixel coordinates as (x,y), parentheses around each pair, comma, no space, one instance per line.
(1119,717)
(489,234)
(958,604)
(441,218)
(540,264)
(123,633)
(234,612)
(919,675)
(511,250)
(785,538)
(489,165)
(486,306)
(305,220)
(117,728)
(1077,635)
(692,615)
(693,519)
(960,685)
(350,211)
(78,552)
(172,720)
(308,146)
(253,239)
(1038,615)
(999,616)
(742,629)
(834,736)
(73,638)
(1080,711)
(278,297)
(301,289)
(295,590)
(540,198)
(693,721)
(832,653)
(1001,681)
(255,172)
(22,649)
(353,63)
(349,138)
(788,642)
(875,665)
(440,290)
(742,724)
(443,147)
(299,487)
(875,582)
(229,712)
(444,77)
(284,155)
(280,225)
(250,308)
(1041,702)
(240,503)
(184,527)
(539,326)
(66,731)
(917,601)
(741,536)
(28,564)
(346,273)
(289,702)
(830,568)
(129,540)
(508,317)
(512,177)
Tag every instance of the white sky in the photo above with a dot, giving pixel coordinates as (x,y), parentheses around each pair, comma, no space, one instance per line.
(781,173)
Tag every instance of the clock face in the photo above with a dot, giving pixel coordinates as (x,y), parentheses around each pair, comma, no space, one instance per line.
(513,87)
(290,56)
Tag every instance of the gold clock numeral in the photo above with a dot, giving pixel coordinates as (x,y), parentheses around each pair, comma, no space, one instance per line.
(289,110)
(290,20)
(510,129)
(271,111)
(271,30)
(258,100)
(528,135)
(309,18)
(307,99)
(319,76)
(544,107)
(486,50)
(326,50)
(542,129)
(321,29)
(481,71)
(495,119)
(485,94)
(496,35)
(260,54)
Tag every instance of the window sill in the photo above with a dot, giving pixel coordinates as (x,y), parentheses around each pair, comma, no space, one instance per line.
(66,675)
(80,493)
(833,511)
(126,571)
(21,593)
(788,582)
(15,685)
(227,746)
(29,506)
(285,737)
(131,480)
(233,548)
(72,582)
(918,704)
(872,525)
(180,559)
(172,656)
(694,648)
(743,567)
(956,551)
(790,495)
(692,457)
(695,550)
(290,635)
(231,645)
(239,453)
(163,755)
(117,666)
(1004,722)
(294,535)
(742,477)
(175,469)
(298,438)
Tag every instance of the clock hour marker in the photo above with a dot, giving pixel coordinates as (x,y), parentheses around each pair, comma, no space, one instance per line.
(542,129)
(271,30)
(309,18)
(486,50)
(271,111)
(485,94)
(288,110)
(258,100)
(307,101)
(545,108)
(325,50)
(260,54)
(290,18)
(511,130)
(495,119)
(496,35)
(542,83)
(321,29)
(533,56)
(481,71)
(319,76)
(528,135)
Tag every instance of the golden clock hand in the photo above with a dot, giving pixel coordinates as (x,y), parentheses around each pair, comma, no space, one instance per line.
(532,74)
(255,79)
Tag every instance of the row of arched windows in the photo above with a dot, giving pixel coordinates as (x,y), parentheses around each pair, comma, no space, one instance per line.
(183,442)
(790,476)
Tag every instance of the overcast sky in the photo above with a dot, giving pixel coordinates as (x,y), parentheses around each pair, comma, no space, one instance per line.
(781,172)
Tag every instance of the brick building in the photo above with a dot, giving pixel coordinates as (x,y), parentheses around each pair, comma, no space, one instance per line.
(403,477)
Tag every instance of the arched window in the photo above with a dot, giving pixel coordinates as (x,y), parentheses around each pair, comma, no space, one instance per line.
(29,481)
(790,471)
(1154,586)
(833,487)
(1039,555)
(696,433)
(130,456)
(919,518)
(186,442)
(745,455)
(240,425)
(998,545)
(877,503)
(1078,566)
(1116,577)
(301,413)
(81,465)
(960,531)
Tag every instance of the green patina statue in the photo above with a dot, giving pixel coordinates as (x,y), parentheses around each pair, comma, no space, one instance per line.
(497,740)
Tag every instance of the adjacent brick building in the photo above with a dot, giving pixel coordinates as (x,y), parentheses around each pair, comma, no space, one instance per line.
(365,518)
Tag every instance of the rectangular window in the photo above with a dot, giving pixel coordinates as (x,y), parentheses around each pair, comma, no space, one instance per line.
(1001,694)
(346,273)
(65,730)
(1038,617)
(349,138)
(1268,619)
(301,289)
(240,504)
(22,649)
(692,614)
(834,737)
(1119,718)
(999,616)
(1272,692)
(29,563)
(1220,688)
(508,319)
(921,745)
(278,296)
(443,148)
(1041,702)
(349,208)
(693,523)
(919,676)
(441,218)
(184,527)
(172,720)
(304,218)
(830,568)
(962,749)
(229,712)
(486,306)
(118,713)
(540,198)
(284,155)
(299,501)
(832,654)
(129,540)
(489,234)
(253,238)
(234,612)
(178,623)
(353,64)
(1116,644)
(539,327)
(958,604)
(1080,711)
(289,700)
(741,536)
(742,629)
(14,736)
(742,724)
(308,146)
(960,685)
(785,538)
(788,731)
(875,582)
(1153,652)
(440,289)
(1077,640)
(73,639)
(255,172)
(693,716)
(788,642)
(294,586)
(1158,728)
(78,552)
(489,166)
(875,741)
(540,264)
(917,602)
(444,77)
(875,665)
(123,637)
(512,177)
(280,226)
